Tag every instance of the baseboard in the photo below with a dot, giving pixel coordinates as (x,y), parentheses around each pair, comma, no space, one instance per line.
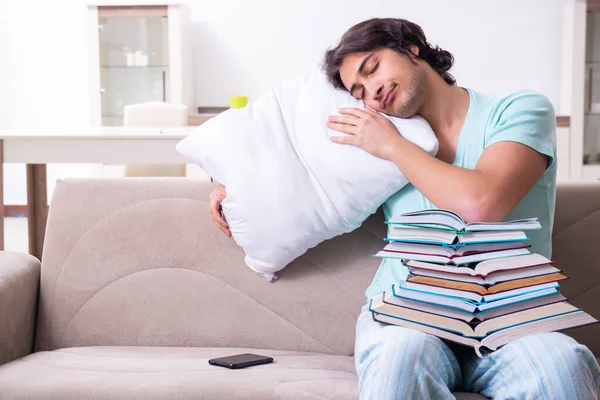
(15,211)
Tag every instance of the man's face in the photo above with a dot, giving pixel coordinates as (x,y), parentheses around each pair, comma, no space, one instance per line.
(386,81)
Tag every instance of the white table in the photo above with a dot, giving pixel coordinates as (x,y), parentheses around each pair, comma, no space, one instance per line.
(106,145)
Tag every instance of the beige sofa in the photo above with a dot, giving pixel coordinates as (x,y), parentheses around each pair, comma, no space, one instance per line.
(138,289)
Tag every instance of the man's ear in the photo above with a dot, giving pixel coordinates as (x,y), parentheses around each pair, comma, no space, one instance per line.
(414,49)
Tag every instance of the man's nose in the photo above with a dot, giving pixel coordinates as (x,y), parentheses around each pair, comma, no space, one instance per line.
(377,90)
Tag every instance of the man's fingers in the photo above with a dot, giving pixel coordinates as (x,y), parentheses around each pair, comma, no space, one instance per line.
(343,139)
(215,212)
(214,209)
(350,129)
(215,200)
(226,231)
(222,225)
(218,219)
(215,203)
(220,222)
(343,119)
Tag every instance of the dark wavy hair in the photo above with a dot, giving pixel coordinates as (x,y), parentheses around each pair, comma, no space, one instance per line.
(392,33)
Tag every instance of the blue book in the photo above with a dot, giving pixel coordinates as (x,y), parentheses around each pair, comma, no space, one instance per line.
(473,297)
(451,221)
(412,234)
(467,305)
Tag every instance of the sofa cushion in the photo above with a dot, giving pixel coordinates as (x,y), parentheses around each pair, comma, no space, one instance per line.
(181,373)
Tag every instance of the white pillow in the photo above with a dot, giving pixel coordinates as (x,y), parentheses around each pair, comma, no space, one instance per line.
(288,186)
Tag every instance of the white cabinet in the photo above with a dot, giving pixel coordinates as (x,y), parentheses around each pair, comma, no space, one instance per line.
(591,131)
(139,52)
(581,87)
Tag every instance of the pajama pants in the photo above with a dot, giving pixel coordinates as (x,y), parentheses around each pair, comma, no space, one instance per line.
(400,363)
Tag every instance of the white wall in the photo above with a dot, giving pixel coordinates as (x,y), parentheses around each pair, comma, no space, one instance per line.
(245,47)
(43,76)
(499,45)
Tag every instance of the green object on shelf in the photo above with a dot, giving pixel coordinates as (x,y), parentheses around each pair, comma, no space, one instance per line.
(238,101)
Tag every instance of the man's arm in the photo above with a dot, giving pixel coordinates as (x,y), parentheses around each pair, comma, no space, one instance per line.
(518,148)
(504,174)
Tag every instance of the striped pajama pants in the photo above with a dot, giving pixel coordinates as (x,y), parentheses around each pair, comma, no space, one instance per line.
(399,363)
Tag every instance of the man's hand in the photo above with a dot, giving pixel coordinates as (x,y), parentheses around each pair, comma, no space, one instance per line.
(368,130)
(216,197)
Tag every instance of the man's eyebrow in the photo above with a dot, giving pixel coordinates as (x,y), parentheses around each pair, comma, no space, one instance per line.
(362,65)
(360,70)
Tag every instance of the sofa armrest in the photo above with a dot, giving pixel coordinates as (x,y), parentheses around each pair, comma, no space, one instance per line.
(19,288)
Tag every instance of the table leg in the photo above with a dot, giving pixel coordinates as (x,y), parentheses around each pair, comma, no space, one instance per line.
(1,195)
(37,207)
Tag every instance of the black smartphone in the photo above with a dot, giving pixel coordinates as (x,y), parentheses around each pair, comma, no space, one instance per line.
(240,361)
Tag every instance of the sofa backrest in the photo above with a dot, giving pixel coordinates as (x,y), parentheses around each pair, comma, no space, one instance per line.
(576,250)
(138,262)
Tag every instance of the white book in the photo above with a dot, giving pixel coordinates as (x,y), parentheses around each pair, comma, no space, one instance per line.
(487,267)
(497,336)
(449,220)
(523,305)
(410,234)
(453,252)
(468,259)
(490,279)
(479,330)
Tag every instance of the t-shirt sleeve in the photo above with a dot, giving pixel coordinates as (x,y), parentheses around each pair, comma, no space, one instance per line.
(525,117)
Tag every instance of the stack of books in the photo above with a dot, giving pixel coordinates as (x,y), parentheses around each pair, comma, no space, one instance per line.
(476,284)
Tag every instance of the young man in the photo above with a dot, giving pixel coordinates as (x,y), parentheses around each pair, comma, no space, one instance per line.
(496,160)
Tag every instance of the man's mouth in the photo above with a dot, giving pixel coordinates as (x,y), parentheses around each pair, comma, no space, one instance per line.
(388,96)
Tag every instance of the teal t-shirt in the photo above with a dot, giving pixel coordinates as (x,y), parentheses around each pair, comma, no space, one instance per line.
(526,117)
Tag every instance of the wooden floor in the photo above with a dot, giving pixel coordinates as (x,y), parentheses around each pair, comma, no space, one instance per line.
(15,234)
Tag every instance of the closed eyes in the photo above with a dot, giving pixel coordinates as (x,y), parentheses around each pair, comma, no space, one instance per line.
(362,93)
(374,69)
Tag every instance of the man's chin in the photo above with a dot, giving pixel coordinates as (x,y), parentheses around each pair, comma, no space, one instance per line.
(406,111)
(402,114)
